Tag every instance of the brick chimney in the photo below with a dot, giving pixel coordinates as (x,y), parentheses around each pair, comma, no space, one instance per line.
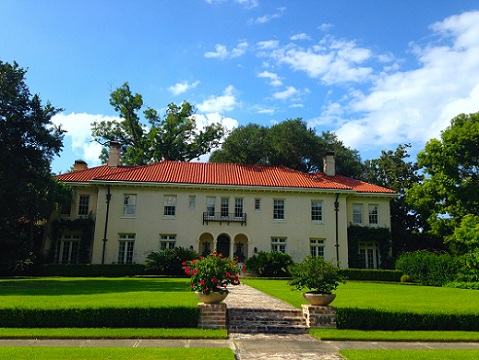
(114,155)
(329,164)
(79,165)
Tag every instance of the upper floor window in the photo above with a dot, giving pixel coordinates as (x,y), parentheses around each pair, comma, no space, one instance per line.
(170,205)
(167,241)
(83,205)
(257,204)
(129,205)
(225,203)
(278,244)
(278,210)
(238,207)
(357,214)
(210,206)
(316,210)
(192,202)
(373,214)
(316,247)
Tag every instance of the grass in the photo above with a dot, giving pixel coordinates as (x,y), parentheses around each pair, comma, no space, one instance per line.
(409,354)
(106,333)
(108,353)
(359,335)
(384,296)
(55,293)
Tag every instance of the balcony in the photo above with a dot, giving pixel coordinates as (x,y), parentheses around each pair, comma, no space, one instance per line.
(224,218)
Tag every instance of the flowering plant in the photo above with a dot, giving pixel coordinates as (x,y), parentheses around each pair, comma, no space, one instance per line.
(211,273)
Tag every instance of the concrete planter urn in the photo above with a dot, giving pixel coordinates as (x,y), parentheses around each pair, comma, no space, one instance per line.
(211,298)
(317,298)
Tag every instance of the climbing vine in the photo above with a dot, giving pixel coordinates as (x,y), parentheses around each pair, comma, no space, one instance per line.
(379,235)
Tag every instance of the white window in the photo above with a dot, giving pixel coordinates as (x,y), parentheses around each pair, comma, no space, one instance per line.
(369,254)
(238,207)
(357,214)
(167,241)
(129,205)
(257,204)
(316,210)
(211,206)
(126,244)
(278,210)
(373,214)
(169,205)
(83,205)
(192,202)
(68,250)
(278,244)
(316,247)
(225,203)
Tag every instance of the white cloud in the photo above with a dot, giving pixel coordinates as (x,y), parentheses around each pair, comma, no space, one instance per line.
(182,87)
(78,128)
(301,36)
(267,18)
(249,4)
(220,104)
(221,52)
(274,79)
(415,105)
(267,45)
(286,94)
(325,27)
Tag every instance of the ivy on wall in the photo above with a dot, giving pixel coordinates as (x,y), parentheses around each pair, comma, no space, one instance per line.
(379,235)
(83,227)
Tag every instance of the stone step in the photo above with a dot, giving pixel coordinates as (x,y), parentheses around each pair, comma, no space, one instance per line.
(248,320)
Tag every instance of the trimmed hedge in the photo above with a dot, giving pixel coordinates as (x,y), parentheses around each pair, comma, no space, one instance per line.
(168,317)
(372,275)
(463,285)
(87,270)
(371,319)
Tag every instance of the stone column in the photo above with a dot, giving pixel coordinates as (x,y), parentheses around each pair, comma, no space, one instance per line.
(319,317)
(212,316)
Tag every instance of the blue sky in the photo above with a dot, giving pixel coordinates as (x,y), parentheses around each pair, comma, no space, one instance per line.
(377,73)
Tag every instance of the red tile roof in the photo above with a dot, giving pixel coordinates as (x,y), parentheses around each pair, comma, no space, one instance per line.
(172,172)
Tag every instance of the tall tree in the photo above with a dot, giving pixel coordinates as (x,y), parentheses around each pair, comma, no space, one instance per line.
(175,136)
(449,190)
(290,143)
(28,143)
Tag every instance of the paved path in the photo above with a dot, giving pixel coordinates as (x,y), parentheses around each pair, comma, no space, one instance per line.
(255,346)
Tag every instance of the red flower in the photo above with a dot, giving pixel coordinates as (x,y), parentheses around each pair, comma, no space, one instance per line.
(202,282)
(194,261)
(183,263)
(228,274)
(214,253)
(187,271)
(195,271)
(214,280)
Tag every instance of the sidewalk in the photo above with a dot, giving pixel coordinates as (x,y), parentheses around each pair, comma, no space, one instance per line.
(255,346)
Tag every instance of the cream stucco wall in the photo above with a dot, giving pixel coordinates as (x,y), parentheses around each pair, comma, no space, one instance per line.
(297,227)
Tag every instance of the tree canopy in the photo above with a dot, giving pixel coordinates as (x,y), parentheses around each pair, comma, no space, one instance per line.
(28,143)
(174,136)
(290,143)
(450,164)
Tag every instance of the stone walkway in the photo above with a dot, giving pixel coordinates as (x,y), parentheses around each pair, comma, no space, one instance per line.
(244,296)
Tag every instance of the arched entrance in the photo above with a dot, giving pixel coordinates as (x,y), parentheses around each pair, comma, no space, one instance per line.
(240,247)
(206,244)
(223,245)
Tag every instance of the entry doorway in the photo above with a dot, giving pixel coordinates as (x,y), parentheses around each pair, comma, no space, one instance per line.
(223,245)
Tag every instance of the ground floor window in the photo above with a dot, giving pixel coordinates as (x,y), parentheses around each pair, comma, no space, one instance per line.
(126,245)
(167,241)
(369,254)
(68,249)
(278,244)
(316,247)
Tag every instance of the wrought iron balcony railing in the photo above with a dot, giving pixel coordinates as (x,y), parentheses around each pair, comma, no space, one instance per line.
(224,217)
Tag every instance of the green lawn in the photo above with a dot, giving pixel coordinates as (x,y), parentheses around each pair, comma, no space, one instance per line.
(106,353)
(384,296)
(410,354)
(54,293)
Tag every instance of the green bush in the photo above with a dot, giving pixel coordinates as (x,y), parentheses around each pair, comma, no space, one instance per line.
(168,261)
(82,270)
(272,264)
(315,274)
(371,319)
(168,317)
(463,285)
(428,268)
(372,274)
(405,278)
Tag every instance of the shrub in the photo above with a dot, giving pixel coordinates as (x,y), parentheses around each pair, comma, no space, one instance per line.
(405,278)
(372,319)
(168,261)
(463,285)
(428,268)
(272,264)
(315,274)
